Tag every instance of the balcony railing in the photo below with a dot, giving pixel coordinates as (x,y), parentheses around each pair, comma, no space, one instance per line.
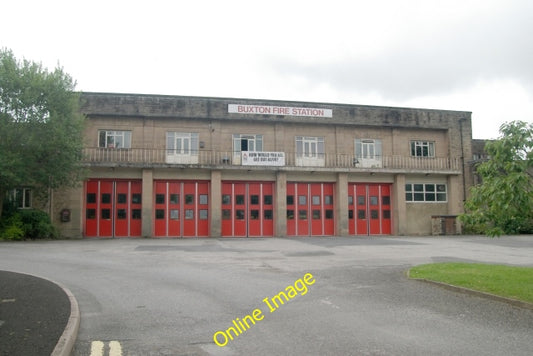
(143,157)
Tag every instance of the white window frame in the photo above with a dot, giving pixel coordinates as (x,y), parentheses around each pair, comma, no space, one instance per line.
(22,197)
(182,147)
(254,143)
(426,193)
(310,151)
(368,153)
(422,148)
(114,139)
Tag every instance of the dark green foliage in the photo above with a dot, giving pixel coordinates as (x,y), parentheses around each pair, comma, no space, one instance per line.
(36,224)
(11,228)
(25,224)
(41,128)
(503,202)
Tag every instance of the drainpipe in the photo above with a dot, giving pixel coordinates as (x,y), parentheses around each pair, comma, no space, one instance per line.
(461,120)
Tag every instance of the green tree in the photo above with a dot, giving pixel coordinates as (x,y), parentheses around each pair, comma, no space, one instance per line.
(41,127)
(503,202)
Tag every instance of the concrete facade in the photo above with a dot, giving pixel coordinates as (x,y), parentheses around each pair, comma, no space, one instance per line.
(150,117)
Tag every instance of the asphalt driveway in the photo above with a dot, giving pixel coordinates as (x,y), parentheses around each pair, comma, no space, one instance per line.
(170,297)
(33,314)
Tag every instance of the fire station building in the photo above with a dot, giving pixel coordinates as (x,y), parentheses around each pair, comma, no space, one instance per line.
(175,166)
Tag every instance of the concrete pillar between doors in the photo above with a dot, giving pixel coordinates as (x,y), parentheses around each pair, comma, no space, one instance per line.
(215,204)
(398,206)
(341,204)
(280,210)
(147,202)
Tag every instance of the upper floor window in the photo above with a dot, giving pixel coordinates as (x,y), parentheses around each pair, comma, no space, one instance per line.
(368,149)
(422,149)
(245,142)
(182,147)
(114,139)
(367,153)
(180,143)
(22,197)
(311,147)
(310,151)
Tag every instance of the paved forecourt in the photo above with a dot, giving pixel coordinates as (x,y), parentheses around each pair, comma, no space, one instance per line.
(316,296)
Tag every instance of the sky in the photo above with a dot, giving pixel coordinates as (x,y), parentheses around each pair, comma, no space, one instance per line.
(466,55)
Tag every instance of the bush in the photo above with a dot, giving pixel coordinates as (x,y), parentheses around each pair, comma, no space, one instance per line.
(37,224)
(11,228)
(27,224)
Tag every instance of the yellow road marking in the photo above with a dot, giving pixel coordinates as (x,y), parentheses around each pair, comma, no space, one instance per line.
(97,348)
(115,349)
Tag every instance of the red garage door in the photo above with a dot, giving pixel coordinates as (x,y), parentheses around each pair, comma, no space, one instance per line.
(112,208)
(247,209)
(369,209)
(310,209)
(181,209)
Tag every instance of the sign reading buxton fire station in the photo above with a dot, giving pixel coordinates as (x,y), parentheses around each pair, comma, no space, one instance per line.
(278,110)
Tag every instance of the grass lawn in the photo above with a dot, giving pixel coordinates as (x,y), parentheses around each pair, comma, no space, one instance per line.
(505,281)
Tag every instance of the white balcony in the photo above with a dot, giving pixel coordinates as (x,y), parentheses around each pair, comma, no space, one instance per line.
(221,159)
(174,157)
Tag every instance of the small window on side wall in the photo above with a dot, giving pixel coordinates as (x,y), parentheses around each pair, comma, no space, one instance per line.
(22,198)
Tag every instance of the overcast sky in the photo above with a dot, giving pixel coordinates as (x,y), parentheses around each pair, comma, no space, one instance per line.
(457,55)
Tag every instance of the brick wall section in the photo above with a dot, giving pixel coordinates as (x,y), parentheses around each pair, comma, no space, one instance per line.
(149,117)
(198,108)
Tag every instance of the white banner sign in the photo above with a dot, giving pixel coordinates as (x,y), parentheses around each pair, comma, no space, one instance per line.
(278,110)
(250,158)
